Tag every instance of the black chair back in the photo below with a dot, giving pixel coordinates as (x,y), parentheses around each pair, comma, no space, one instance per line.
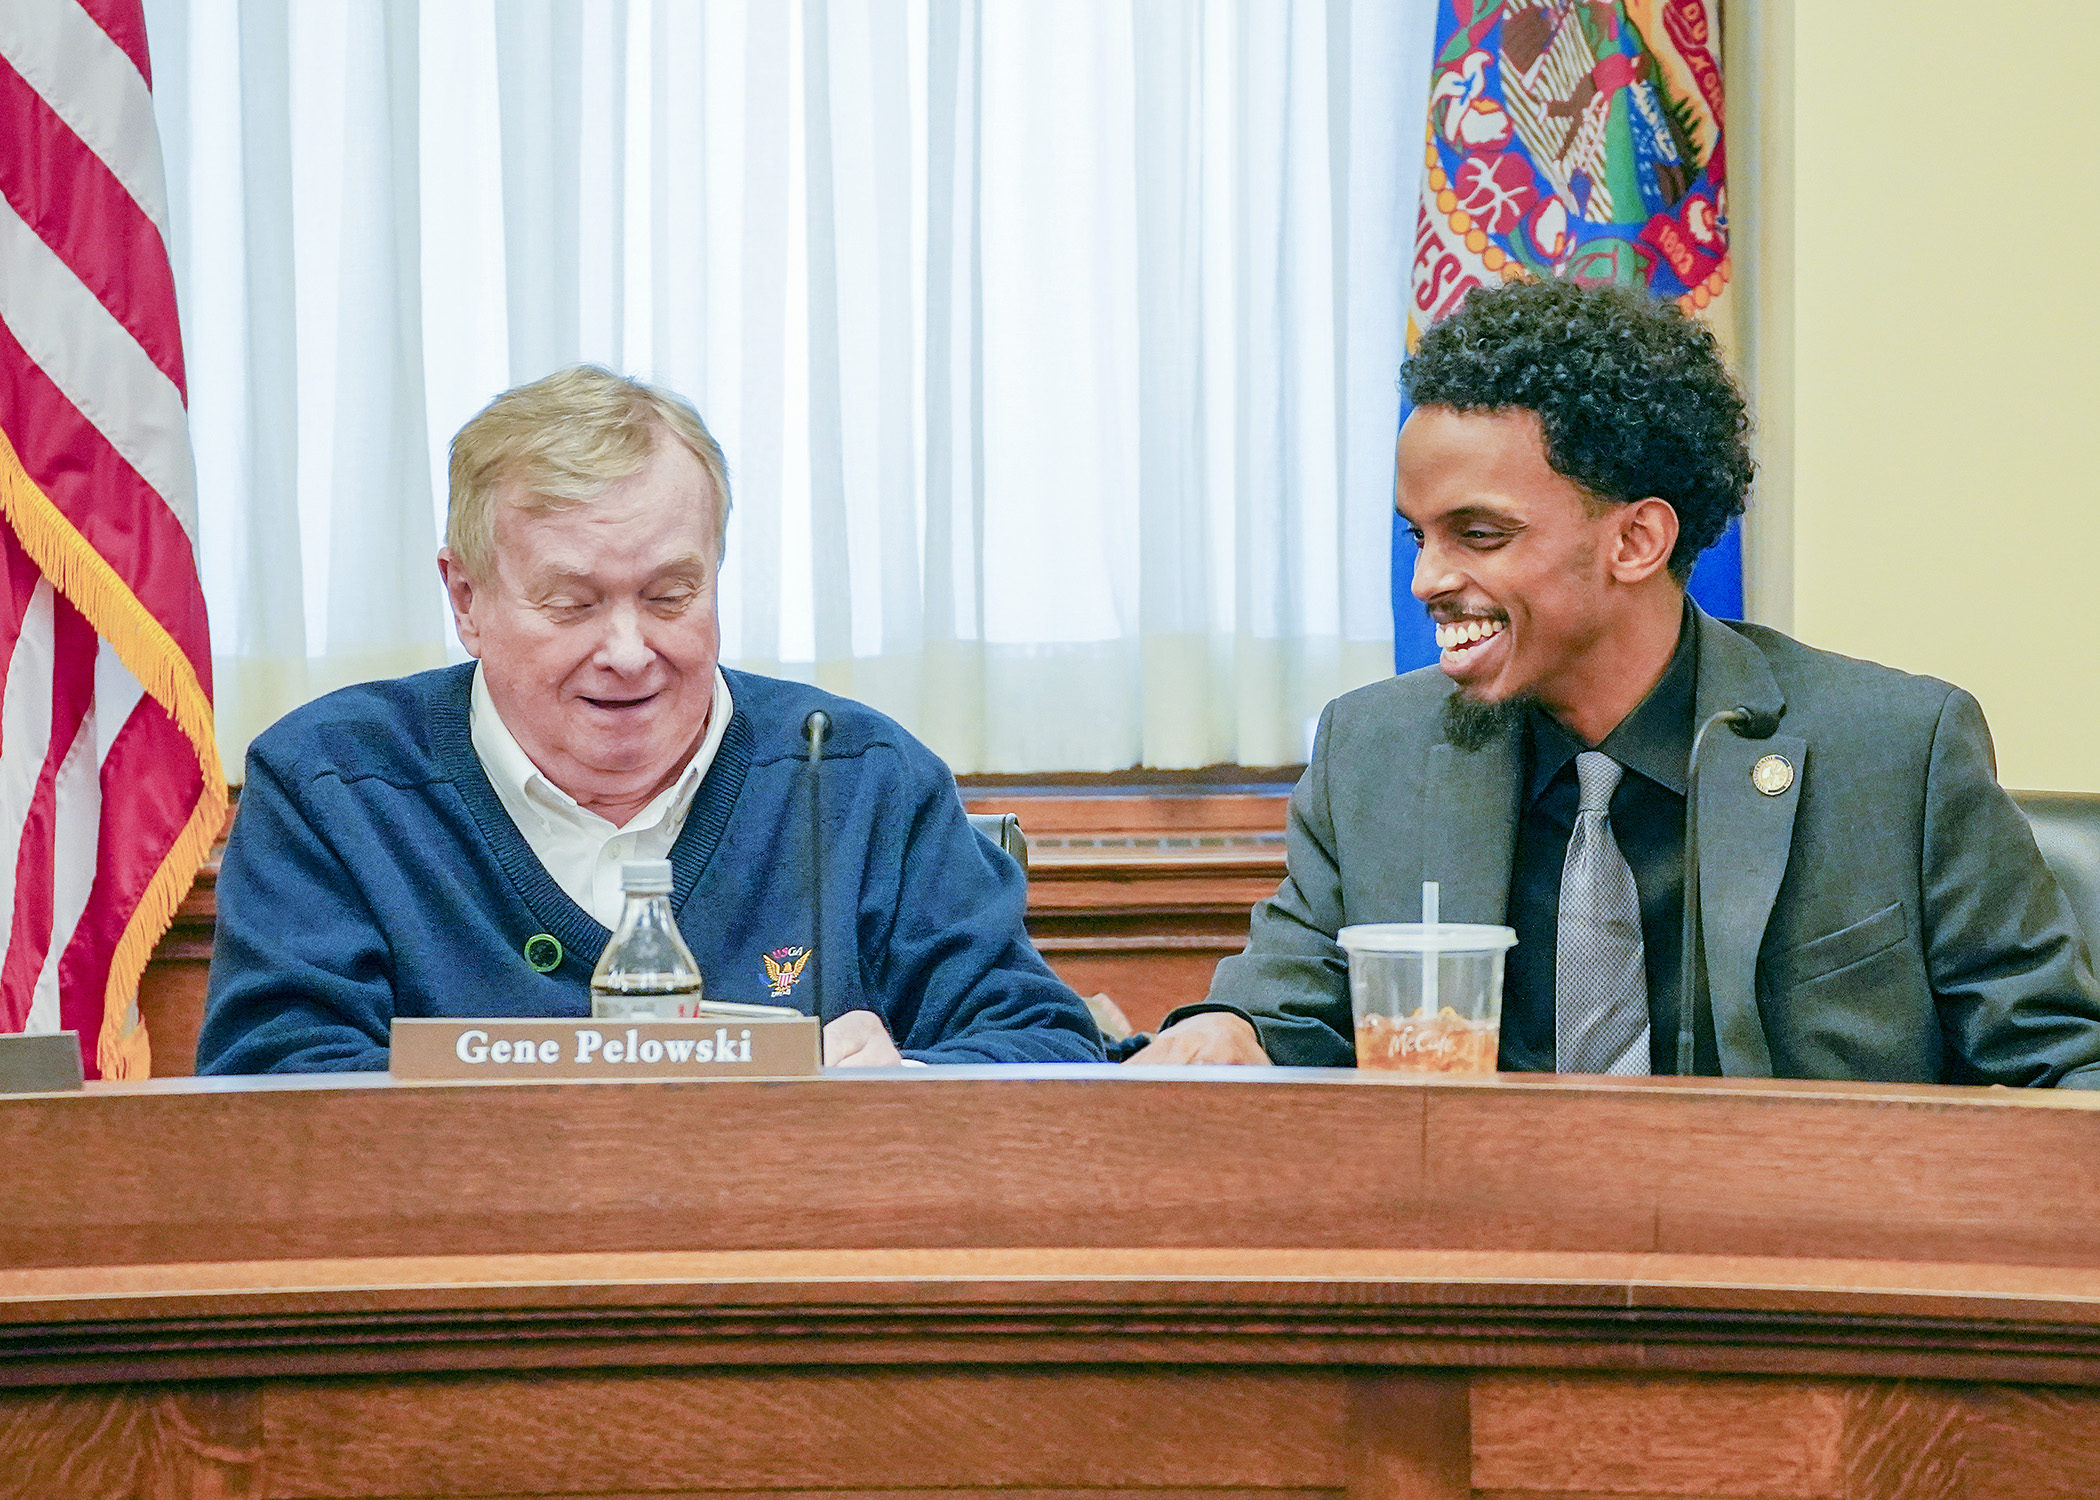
(2067,827)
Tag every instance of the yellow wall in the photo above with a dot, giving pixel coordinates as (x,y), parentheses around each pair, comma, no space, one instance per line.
(1919,313)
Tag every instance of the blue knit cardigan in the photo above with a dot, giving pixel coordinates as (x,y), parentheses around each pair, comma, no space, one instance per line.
(373,872)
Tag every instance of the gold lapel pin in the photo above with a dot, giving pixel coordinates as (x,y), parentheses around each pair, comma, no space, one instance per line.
(1772,774)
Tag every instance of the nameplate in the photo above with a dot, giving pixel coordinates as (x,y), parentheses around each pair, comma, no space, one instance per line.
(712,1047)
(47,1063)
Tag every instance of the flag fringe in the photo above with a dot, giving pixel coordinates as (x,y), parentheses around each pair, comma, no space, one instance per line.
(76,570)
(100,593)
(123,1049)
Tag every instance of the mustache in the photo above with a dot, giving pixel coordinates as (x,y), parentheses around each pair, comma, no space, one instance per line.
(1451,614)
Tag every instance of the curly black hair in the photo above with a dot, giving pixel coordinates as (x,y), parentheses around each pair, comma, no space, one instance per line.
(1631,394)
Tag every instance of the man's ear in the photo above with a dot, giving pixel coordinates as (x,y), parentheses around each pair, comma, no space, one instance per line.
(459,590)
(1647,535)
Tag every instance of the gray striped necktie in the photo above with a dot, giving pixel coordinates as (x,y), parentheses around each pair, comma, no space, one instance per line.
(1600,981)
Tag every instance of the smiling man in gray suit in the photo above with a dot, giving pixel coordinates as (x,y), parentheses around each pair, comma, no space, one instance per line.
(1872,903)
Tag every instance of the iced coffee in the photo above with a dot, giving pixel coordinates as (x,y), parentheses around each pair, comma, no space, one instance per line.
(1443,1043)
(1427,998)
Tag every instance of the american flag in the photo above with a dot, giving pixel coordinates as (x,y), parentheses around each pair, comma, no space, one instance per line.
(110,785)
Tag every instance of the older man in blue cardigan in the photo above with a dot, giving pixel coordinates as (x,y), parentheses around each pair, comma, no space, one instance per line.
(449,844)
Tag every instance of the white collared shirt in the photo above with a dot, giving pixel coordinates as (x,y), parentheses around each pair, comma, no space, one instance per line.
(581,850)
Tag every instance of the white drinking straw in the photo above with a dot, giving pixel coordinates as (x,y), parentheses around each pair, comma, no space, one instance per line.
(1430,898)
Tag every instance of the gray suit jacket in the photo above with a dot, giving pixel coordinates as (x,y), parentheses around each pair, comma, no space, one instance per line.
(1886,917)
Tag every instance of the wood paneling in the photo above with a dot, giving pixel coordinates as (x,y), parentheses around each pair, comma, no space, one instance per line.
(182,1442)
(171,1003)
(911,1493)
(1572,1438)
(2032,1444)
(1055,1156)
(799,1430)
(1908,1441)
(1138,895)
(1052,817)
(1146,975)
(171,991)
(1763,1440)
(1049,1215)
(1086,1434)
(1410,1436)
(374,1168)
(1059,1284)
(1699,1191)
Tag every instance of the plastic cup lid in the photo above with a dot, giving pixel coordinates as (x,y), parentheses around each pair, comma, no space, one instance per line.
(1413,937)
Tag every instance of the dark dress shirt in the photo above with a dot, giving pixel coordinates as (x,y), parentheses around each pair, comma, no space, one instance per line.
(1654,744)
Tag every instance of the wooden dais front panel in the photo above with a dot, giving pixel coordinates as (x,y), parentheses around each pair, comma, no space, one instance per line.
(1051,1435)
(1059,1284)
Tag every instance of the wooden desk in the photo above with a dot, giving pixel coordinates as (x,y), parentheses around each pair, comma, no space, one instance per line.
(1071,1284)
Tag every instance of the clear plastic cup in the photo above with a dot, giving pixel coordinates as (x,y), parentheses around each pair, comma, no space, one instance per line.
(1426,999)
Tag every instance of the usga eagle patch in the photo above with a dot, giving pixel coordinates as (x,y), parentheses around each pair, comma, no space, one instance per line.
(783,967)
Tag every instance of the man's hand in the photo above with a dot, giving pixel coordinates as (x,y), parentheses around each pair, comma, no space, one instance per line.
(1216,1036)
(858,1039)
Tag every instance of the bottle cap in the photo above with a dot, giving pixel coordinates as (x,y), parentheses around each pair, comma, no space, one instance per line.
(645,877)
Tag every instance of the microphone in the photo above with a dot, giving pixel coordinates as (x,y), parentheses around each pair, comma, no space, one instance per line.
(814,729)
(1750,724)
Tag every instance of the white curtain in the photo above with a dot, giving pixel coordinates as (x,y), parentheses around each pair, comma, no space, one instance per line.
(1053,345)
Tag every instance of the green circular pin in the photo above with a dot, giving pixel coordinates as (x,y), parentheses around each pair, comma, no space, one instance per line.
(544,952)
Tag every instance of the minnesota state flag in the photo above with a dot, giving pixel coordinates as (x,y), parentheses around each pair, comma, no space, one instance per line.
(1573,138)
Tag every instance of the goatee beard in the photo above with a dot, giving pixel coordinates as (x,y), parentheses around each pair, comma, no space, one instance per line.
(1472,724)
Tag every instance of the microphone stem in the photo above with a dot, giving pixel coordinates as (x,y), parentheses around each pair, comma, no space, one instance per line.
(1750,724)
(816,727)
(1690,946)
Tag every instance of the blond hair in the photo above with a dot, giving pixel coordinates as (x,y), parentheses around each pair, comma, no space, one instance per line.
(559,442)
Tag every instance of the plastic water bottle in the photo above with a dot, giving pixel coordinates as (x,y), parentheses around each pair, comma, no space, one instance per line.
(646,972)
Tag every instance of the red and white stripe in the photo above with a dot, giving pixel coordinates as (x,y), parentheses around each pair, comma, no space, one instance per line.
(103,784)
